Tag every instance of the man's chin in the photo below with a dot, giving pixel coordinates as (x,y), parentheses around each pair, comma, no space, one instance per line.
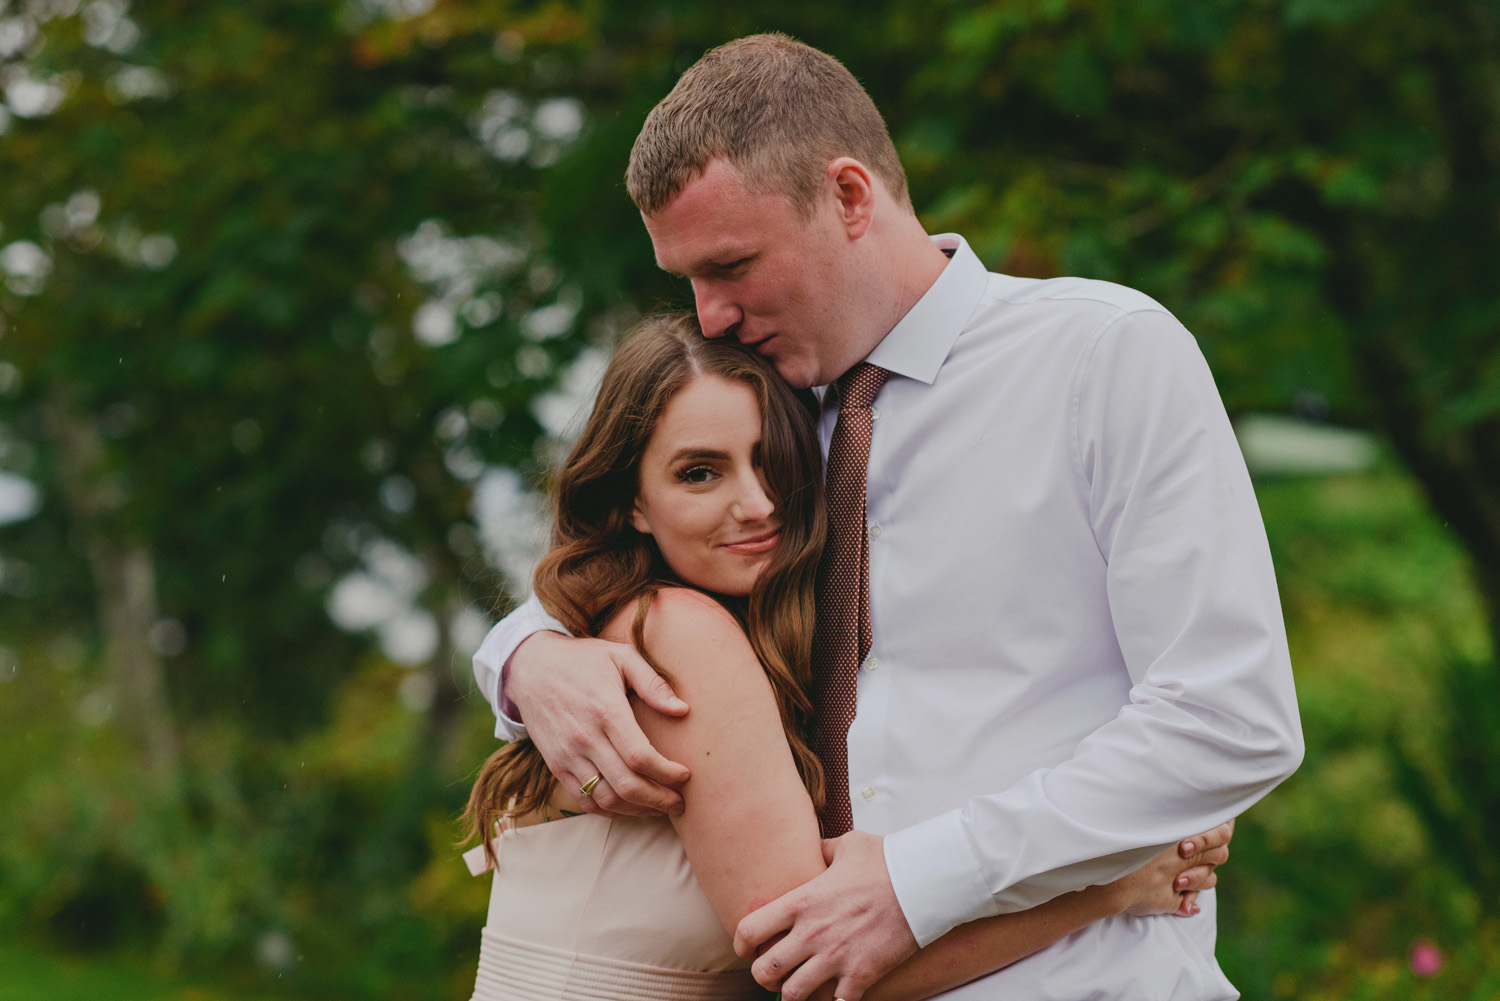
(794,373)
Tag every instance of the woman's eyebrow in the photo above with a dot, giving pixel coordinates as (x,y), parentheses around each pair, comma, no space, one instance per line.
(694,452)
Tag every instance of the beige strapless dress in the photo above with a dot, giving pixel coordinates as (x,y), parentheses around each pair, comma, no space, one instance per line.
(591,909)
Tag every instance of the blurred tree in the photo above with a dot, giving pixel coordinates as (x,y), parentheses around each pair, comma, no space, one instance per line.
(274,296)
(283,280)
(237,289)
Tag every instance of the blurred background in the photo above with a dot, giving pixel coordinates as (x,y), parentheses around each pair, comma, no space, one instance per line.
(297,298)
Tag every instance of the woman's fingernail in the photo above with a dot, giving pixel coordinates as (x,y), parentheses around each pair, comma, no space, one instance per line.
(1189,847)
(1182,881)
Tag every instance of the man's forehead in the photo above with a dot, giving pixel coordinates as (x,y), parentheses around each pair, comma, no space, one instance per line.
(683,252)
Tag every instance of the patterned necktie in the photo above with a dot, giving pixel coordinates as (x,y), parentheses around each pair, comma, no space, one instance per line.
(843,634)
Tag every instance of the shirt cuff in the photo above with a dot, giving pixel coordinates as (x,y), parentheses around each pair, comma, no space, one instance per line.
(506,726)
(936,876)
(494,654)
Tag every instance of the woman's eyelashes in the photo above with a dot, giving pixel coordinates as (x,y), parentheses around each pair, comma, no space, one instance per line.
(696,474)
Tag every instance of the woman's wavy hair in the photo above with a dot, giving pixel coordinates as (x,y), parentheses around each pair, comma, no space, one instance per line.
(599,564)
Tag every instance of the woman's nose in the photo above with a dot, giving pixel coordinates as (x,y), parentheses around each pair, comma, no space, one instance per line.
(754,502)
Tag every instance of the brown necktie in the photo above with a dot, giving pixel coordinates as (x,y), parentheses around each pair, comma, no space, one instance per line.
(843,634)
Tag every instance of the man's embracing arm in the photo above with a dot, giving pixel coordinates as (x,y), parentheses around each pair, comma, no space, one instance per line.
(493,657)
(574,696)
(1211,725)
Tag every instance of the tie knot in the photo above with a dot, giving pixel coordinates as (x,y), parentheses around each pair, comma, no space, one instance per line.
(859,386)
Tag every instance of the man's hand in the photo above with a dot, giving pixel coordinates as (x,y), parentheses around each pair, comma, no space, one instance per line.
(572,696)
(845,925)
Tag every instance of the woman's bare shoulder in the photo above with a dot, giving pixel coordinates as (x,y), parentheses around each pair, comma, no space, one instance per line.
(685,628)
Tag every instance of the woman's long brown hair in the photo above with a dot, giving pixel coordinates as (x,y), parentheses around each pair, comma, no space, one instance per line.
(599,564)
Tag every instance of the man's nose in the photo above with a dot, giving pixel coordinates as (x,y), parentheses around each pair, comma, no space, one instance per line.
(717,315)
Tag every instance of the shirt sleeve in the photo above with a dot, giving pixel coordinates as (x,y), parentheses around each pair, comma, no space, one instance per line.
(493,655)
(1211,724)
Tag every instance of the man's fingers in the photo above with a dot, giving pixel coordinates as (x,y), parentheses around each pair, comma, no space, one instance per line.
(621,792)
(807,978)
(651,687)
(759,926)
(630,743)
(634,770)
(852,988)
(574,784)
(780,962)
(635,798)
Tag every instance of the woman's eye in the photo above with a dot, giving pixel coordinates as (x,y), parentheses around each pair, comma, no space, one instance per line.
(695,474)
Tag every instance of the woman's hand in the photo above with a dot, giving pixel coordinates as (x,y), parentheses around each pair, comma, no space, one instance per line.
(1170,882)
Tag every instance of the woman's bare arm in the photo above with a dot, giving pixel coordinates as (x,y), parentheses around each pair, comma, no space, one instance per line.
(750,831)
(747,825)
(981,947)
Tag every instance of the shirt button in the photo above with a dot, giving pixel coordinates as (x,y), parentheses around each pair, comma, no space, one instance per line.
(868,792)
(874,413)
(872,663)
(874,531)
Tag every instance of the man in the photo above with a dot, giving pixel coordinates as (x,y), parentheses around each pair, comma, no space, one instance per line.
(1071,653)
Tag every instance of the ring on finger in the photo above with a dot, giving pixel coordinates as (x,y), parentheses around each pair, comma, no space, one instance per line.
(587,789)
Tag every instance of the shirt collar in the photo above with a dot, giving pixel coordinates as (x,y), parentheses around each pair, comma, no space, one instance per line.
(917,346)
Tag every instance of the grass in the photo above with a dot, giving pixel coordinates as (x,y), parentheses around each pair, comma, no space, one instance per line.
(32,976)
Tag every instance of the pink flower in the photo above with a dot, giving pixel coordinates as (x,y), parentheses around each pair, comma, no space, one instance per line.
(1426,958)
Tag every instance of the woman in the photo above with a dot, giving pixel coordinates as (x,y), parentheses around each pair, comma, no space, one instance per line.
(690,522)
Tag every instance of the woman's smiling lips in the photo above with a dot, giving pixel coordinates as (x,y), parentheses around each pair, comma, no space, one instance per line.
(757,544)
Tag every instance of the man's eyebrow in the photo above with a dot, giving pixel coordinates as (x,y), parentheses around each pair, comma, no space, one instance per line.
(718,258)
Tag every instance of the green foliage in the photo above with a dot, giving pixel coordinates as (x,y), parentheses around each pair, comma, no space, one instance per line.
(309,267)
(277,856)
(1344,869)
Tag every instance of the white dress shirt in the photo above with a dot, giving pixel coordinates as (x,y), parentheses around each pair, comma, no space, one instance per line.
(1079,655)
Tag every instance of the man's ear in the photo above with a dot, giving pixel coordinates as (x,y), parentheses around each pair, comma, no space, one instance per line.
(638,521)
(854,191)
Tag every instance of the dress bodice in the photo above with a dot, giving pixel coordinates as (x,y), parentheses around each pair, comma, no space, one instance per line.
(590,907)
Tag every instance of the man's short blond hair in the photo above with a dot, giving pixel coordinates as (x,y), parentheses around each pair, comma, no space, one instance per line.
(777,110)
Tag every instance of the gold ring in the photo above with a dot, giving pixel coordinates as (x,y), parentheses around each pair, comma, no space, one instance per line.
(588,787)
